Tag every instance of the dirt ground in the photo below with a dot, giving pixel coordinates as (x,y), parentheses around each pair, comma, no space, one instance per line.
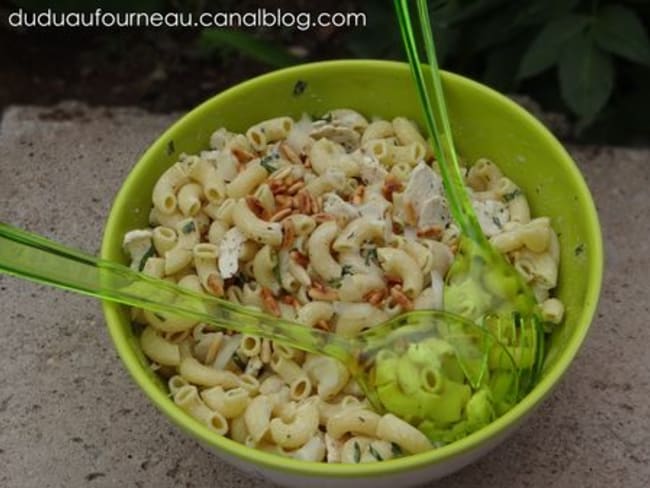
(160,70)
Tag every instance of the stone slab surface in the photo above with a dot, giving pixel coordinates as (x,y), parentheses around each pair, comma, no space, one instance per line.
(70,416)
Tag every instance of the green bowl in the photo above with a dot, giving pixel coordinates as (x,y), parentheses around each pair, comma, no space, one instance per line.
(485,124)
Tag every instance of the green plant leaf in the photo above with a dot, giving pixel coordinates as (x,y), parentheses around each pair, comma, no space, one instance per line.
(545,50)
(586,76)
(620,31)
(475,9)
(542,11)
(379,38)
(248,45)
(500,70)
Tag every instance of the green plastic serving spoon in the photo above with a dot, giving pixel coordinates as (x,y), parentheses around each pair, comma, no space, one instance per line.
(481,284)
(438,371)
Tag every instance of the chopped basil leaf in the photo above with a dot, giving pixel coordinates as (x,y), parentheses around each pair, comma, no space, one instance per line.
(375,454)
(265,162)
(357,452)
(371,255)
(507,197)
(497,222)
(327,117)
(336,282)
(150,252)
(276,271)
(239,362)
(397,451)
(189,227)
(345,270)
(299,88)
(239,279)
(517,319)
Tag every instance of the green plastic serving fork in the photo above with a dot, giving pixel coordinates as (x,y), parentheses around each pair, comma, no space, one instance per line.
(481,284)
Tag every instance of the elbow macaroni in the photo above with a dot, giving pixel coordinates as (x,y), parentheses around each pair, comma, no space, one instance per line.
(337,224)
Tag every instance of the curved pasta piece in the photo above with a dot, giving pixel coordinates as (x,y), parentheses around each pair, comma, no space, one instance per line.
(221,212)
(165,323)
(154,267)
(362,449)
(299,430)
(205,263)
(175,383)
(408,133)
(410,154)
(484,175)
(535,235)
(255,228)
(216,232)
(346,136)
(538,267)
(139,246)
(164,191)
(258,417)
(379,129)
(348,118)
(245,182)
(158,349)
(205,173)
(359,231)
(156,217)
(313,312)
(264,263)
(397,262)
(320,256)
(229,403)
(327,410)
(164,239)
(552,310)
(328,375)
(353,318)
(353,420)
(265,197)
(220,138)
(331,179)
(515,200)
(355,287)
(410,439)
(202,375)
(180,256)
(187,398)
(238,431)
(327,155)
(303,225)
(285,368)
(268,131)
(300,388)
(432,297)
(313,450)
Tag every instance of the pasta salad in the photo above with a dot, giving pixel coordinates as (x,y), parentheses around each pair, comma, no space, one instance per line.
(336,223)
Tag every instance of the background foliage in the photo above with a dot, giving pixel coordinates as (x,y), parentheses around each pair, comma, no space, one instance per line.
(589,59)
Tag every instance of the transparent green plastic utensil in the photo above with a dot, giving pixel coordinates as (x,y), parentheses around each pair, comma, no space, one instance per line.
(438,371)
(481,284)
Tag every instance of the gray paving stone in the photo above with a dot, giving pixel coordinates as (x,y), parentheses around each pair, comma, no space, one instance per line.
(71,416)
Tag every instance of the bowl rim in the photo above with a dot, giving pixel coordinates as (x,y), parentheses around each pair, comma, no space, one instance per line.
(407,463)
